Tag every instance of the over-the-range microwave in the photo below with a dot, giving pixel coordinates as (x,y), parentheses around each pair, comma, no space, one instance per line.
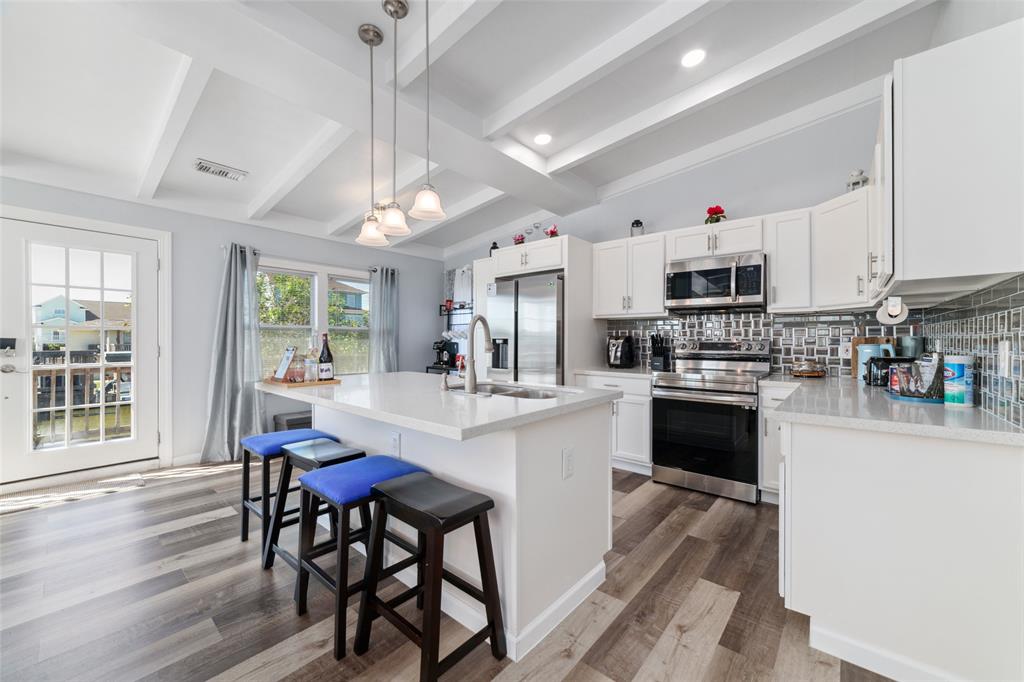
(736,281)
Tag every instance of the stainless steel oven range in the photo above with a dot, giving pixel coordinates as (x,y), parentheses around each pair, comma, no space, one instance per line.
(704,426)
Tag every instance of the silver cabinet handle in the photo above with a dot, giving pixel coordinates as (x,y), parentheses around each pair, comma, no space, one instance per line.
(611,385)
(860,285)
(872,259)
(629,302)
(623,302)
(716,241)
(709,242)
(773,293)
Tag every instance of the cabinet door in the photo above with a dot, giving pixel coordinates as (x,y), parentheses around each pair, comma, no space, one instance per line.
(631,430)
(736,236)
(611,278)
(787,238)
(839,251)
(691,242)
(544,255)
(771,453)
(510,260)
(880,241)
(646,295)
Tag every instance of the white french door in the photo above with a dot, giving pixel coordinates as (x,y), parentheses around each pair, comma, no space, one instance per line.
(80,390)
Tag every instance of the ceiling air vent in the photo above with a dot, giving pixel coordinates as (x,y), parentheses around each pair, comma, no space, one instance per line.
(220,170)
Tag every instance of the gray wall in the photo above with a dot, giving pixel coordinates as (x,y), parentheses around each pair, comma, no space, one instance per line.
(198,262)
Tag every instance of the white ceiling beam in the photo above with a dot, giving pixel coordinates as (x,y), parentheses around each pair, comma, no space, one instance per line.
(450,22)
(664,21)
(868,93)
(249,51)
(189,82)
(330,136)
(459,209)
(408,179)
(830,33)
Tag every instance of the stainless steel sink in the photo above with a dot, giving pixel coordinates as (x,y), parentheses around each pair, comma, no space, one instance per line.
(511,391)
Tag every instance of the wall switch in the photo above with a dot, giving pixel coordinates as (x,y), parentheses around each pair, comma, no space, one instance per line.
(396,444)
(568,465)
(845,350)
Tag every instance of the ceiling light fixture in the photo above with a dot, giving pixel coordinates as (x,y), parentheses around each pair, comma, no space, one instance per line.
(543,138)
(370,234)
(428,202)
(693,58)
(392,223)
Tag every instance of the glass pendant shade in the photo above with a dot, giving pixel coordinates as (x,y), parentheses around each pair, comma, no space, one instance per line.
(427,205)
(392,223)
(370,234)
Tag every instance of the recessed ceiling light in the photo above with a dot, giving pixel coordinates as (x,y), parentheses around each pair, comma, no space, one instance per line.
(693,58)
(543,138)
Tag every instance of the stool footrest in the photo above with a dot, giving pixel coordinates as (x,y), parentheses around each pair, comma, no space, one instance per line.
(401,542)
(464,585)
(396,619)
(460,652)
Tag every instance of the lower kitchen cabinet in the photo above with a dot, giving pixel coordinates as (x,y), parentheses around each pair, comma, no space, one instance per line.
(631,418)
(771,451)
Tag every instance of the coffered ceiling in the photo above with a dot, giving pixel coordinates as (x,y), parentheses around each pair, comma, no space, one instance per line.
(119,99)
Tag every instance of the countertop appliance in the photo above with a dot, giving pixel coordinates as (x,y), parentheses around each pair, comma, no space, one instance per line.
(736,281)
(445,352)
(704,424)
(620,352)
(527,311)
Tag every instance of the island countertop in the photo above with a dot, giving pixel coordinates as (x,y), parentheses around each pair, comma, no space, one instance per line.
(414,400)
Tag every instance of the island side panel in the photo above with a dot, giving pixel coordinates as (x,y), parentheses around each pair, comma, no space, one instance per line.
(562,522)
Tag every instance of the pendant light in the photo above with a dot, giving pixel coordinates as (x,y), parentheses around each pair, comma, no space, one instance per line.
(370,234)
(392,223)
(428,203)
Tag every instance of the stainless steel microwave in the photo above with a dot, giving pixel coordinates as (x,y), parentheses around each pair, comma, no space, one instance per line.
(736,281)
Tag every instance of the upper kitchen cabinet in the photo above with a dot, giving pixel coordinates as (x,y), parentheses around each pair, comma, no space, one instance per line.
(629,277)
(547,254)
(787,245)
(839,251)
(726,237)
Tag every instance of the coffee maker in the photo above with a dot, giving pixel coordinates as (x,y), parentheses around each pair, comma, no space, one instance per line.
(446,352)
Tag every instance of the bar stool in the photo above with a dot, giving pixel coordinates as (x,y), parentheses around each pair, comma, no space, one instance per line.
(344,487)
(267,446)
(307,455)
(434,508)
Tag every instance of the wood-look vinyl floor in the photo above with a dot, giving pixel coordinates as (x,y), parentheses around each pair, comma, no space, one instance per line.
(154,584)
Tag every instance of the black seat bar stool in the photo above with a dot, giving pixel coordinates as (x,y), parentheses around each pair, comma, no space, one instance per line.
(344,487)
(267,446)
(434,508)
(307,455)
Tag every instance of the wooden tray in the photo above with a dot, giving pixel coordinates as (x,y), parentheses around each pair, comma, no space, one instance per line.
(300,384)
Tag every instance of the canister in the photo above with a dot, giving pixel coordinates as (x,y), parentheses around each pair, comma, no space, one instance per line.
(958,380)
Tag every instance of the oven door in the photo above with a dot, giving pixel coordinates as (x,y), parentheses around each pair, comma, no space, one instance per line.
(716,282)
(706,441)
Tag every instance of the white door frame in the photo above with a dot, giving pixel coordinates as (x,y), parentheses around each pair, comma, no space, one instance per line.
(162,238)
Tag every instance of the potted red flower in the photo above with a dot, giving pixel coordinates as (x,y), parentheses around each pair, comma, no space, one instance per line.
(715,214)
(552,231)
(519,239)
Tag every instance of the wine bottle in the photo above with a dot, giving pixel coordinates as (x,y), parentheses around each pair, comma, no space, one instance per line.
(326,366)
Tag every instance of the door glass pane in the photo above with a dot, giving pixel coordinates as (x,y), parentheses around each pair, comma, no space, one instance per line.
(84,345)
(85,386)
(47,264)
(48,388)
(117,309)
(118,420)
(117,271)
(117,385)
(85,425)
(47,429)
(118,345)
(83,268)
(49,306)
(48,346)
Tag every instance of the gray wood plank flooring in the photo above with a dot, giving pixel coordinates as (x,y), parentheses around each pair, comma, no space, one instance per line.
(153,584)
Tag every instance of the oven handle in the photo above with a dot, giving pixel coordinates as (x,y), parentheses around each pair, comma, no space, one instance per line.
(704,397)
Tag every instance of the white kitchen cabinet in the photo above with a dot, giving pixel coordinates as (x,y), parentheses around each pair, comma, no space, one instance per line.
(689,242)
(629,277)
(719,239)
(546,254)
(509,260)
(771,443)
(880,232)
(787,245)
(839,251)
(631,418)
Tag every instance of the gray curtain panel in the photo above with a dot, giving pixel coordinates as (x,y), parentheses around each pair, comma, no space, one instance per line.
(383,320)
(236,407)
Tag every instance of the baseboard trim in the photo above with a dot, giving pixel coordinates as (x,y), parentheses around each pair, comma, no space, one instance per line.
(630,465)
(877,660)
(770,497)
(82,476)
(187,460)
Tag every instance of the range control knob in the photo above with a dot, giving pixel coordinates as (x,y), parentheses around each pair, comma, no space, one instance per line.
(760,346)
(748,346)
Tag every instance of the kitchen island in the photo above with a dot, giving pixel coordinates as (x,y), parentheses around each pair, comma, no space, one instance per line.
(545,462)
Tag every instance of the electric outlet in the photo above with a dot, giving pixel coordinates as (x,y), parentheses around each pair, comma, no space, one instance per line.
(396,444)
(568,465)
(845,350)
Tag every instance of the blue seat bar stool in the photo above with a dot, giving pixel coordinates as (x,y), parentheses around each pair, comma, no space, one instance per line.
(306,455)
(345,487)
(266,446)
(434,508)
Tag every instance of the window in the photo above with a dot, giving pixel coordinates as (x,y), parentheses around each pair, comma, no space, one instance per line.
(295,308)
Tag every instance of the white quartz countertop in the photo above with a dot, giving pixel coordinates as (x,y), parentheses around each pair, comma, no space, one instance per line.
(843,403)
(613,372)
(415,401)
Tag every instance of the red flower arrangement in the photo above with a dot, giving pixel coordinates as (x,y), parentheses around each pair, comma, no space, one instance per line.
(552,231)
(715,214)
(519,239)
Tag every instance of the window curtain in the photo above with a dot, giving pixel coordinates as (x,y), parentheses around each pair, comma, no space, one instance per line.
(383,320)
(236,407)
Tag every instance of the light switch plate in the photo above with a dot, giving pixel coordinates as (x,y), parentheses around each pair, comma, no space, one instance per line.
(568,463)
(396,444)
(845,350)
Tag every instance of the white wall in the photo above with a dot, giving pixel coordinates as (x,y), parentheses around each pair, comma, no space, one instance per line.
(961,18)
(198,262)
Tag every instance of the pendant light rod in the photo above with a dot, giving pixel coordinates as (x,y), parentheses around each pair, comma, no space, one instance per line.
(372,37)
(426,10)
(427,205)
(394,118)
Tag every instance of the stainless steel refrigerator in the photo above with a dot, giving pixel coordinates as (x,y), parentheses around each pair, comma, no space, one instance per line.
(525,316)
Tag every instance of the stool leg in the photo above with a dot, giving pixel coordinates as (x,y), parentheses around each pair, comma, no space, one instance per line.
(364,524)
(245,494)
(341,586)
(492,604)
(307,530)
(374,561)
(265,502)
(333,514)
(434,567)
(277,515)
(421,544)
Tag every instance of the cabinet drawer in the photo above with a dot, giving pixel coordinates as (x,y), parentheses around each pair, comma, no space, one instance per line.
(629,385)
